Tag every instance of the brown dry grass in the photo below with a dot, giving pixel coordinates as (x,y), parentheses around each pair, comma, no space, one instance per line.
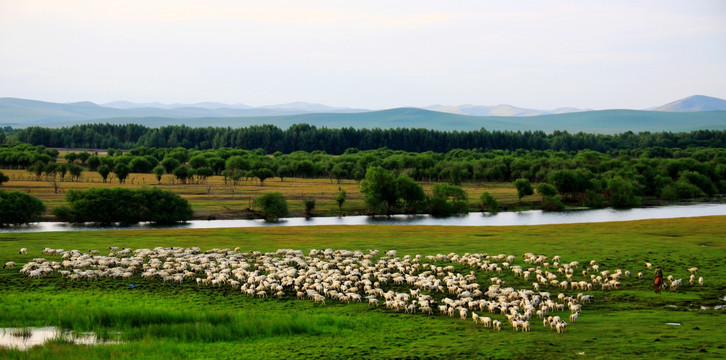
(213,198)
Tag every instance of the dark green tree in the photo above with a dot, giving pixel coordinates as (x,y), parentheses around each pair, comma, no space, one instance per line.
(3,178)
(182,173)
(340,198)
(309,205)
(379,189)
(489,203)
(122,171)
(622,193)
(159,171)
(263,174)
(524,188)
(104,170)
(17,208)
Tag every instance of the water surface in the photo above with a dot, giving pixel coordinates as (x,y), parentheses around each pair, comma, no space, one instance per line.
(530,217)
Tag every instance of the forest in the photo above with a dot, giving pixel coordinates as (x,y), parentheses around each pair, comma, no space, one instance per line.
(309,138)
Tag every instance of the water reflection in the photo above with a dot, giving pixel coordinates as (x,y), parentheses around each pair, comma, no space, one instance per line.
(532,217)
(24,338)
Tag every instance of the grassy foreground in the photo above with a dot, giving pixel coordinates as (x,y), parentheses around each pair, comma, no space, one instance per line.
(158,320)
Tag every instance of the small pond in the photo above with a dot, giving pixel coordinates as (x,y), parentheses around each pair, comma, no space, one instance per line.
(24,338)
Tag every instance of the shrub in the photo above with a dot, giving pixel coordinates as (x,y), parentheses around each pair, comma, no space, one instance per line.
(448,200)
(552,203)
(489,203)
(309,206)
(272,206)
(524,188)
(127,206)
(17,208)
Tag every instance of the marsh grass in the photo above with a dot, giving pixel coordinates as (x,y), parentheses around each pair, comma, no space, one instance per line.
(23,332)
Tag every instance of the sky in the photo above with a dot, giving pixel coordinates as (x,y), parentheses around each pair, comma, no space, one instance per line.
(365,54)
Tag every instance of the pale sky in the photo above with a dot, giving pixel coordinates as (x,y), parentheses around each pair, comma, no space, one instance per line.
(365,54)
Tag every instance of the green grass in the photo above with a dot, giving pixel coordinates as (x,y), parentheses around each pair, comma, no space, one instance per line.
(158,320)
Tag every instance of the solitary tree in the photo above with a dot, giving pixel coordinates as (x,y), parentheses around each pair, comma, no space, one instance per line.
(272,206)
(309,207)
(122,171)
(159,172)
(104,170)
(524,188)
(489,203)
(340,198)
(263,174)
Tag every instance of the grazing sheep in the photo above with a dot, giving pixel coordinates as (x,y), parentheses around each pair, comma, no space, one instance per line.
(497,325)
(573,317)
(475,317)
(9,265)
(648,265)
(700,281)
(693,270)
(23,251)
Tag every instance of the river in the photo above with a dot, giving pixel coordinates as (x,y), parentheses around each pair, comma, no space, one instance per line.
(531,217)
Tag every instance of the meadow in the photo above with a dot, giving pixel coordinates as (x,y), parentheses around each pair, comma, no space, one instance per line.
(165,320)
(212,198)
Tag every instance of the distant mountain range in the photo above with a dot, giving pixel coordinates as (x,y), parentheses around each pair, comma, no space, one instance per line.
(695,112)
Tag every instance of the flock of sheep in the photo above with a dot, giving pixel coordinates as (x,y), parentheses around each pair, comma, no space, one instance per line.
(444,284)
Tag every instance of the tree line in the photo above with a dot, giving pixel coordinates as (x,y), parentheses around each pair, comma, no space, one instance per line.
(584,177)
(310,138)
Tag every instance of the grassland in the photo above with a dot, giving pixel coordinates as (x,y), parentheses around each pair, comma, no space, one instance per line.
(214,198)
(158,320)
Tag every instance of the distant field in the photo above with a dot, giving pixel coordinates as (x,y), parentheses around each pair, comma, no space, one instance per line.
(173,321)
(214,198)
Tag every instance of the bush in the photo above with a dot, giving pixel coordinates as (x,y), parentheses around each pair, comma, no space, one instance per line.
(448,200)
(552,203)
(3,178)
(309,206)
(272,206)
(62,213)
(17,208)
(127,206)
(524,188)
(622,193)
(489,203)
(546,190)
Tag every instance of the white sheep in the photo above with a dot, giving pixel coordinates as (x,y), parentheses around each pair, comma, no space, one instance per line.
(700,281)
(693,270)
(497,325)
(9,265)
(23,251)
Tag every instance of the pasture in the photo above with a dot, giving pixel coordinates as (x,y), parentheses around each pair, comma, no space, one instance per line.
(213,198)
(170,320)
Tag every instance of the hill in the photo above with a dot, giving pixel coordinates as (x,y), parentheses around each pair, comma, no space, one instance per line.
(24,113)
(605,121)
(694,103)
